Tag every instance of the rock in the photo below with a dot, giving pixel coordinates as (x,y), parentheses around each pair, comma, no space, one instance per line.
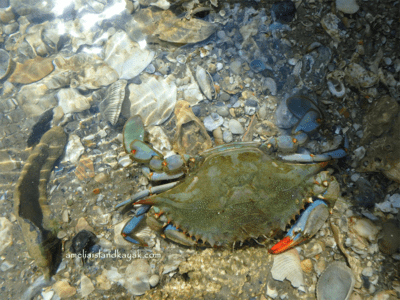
(74,149)
(227,136)
(87,286)
(153,280)
(235,127)
(70,100)
(235,67)
(63,289)
(283,11)
(101,178)
(82,224)
(213,121)
(102,282)
(347,6)
(5,234)
(137,276)
(32,70)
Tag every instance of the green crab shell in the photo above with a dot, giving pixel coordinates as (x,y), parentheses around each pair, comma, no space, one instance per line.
(238,194)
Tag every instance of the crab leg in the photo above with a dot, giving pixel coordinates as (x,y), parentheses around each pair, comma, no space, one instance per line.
(145,193)
(132,224)
(310,221)
(176,235)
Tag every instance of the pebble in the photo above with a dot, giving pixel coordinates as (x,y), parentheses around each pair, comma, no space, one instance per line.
(227,136)
(101,178)
(137,277)
(235,127)
(5,234)
(367,271)
(82,224)
(153,280)
(219,66)
(224,96)
(65,216)
(87,286)
(359,153)
(354,177)
(347,6)
(235,67)
(63,289)
(102,282)
(74,149)
(223,111)
(6,266)
(47,295)
(213,121)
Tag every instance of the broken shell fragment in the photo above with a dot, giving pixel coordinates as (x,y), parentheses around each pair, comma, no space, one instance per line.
(127,57)
(110,107)
(357,76)
(336,282)
(154,100)
(287,266)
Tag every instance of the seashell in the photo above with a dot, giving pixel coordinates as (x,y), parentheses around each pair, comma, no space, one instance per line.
(287,266)
(74,149)
(191,90)
(257,66)
(5,63)
(63,289)
(110,107)
(70,100)
(159,140)
(154,100)
(364,228)
(125,56)
(359,77)
(205,82)
(336,282)
(390,242)
(336,88)
(182,31)
(32,70)
(330,22)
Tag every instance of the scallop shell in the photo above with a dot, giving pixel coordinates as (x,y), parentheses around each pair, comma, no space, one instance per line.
(390,242)
(287,266)
(205,82)
(110,107)
(336,282)
(154,100)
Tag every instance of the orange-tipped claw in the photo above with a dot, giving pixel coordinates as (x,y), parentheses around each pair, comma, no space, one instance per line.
(285,244)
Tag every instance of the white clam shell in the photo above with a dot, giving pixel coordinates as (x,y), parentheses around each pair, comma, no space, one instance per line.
(154,100)
(287,266)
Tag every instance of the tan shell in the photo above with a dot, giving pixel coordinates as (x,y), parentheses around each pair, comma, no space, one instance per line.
(110,107)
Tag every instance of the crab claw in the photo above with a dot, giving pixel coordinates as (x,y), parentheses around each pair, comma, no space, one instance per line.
(310,221)
(133,223)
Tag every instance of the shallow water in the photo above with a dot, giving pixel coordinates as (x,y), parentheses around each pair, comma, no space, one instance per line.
(89,65)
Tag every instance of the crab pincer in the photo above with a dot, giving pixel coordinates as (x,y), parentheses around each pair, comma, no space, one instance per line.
(305,227)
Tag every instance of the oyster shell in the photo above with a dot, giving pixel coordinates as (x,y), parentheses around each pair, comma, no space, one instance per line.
(154,100)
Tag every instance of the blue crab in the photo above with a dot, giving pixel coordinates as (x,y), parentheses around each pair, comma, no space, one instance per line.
(234,192)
